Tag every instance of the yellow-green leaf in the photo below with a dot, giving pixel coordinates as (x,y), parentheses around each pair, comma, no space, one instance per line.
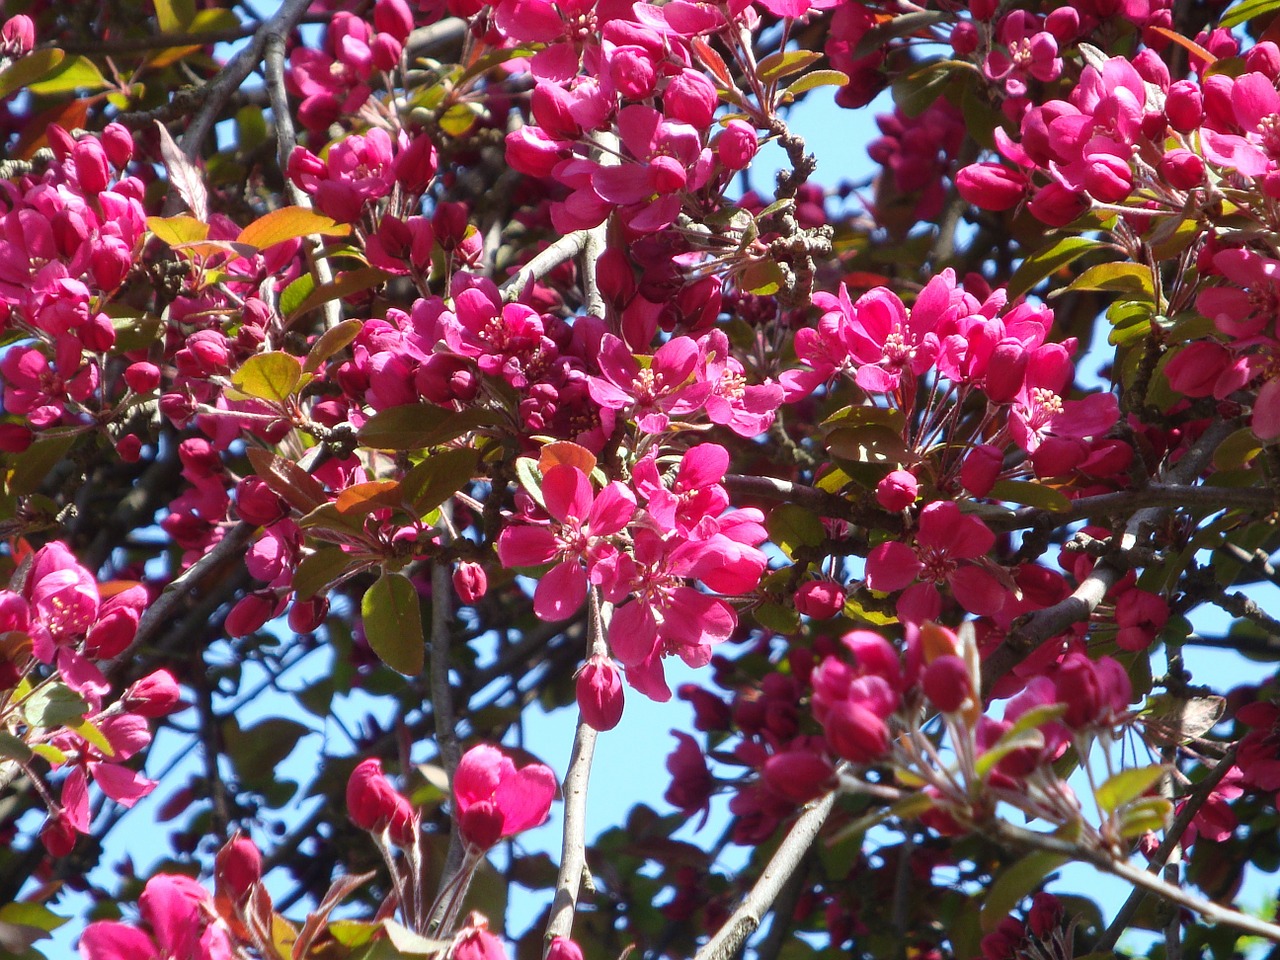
(818,78)
(178,230)
(786,63)
(27,70)
(289,223)
(330,342)
(175,16)
(1046,261)
(73,73)
(1127,785)
(269,376)
(459,118)
(1015,883)
(393,623)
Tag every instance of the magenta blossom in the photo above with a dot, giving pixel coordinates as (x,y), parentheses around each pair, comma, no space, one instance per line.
(949,548)
(576,539)
(493,800)
(183,925)
(655,391)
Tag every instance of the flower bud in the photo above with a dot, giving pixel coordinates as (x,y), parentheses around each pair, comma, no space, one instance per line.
(155,695)
(393,17)
(981,467)
(118,142)
(1182,169)
(947,684)
(258,504)
(251,613)
(238,866)
(991,186)
(15,438)
(1057,206)
(305,616)
(691,98)
(599,693)
(142,377)
(562,948)
(819,599)
(856,733)
(373,804)
(1184,106)
(964,38)
(798,775)
(898,490)
(737,144)
(470,581)
(17,36)
(91,165)
(58,836)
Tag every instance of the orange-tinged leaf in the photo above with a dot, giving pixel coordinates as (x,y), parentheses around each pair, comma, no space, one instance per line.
(713,61)
(302,491)
(1189,45)
(330,342)
(568,453)
(362,498)
(111,587)
(289,223)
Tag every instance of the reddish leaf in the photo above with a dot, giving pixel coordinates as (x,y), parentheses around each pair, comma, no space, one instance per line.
(302,491)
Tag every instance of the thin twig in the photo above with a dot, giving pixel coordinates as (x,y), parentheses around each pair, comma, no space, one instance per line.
(1212,912)
(176,595)
(441,692)
(563,250)
(219,89)
(746,919)
(1172,838)
(286,142)
(1040,625)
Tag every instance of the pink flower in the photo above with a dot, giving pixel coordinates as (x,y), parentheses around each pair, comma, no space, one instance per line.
(665,387)
(1252,303)
(694,493)
(576,539)
(373,804)
(599,693)
(493,800)
(183,924)
(947,548)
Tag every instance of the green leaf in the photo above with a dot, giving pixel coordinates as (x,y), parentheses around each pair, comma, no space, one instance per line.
(785,63)
(411,944)
(330,342)
(460,118)
(289,223)
(31,915)
(353,933)
(27,70)
(270,376)
(762,278)
(53,705)
(174,16)
(1174,720)
(73,73)
(1128,785)
(1129,278)
(178,230)
(791,527)
(1047,261)
(900,26)
(296,294)
(437,478)
(393,623)
(868,444)
(1238,450)
(256,751)
(916,92)
(1145,815)
(1037,717)
(417,426)
(32,468)
(14,748)
(1009,742)
(1031,494)
(349,283)
(818,78)
(530,478)
(1015,883)
(1246,10)
(318,570)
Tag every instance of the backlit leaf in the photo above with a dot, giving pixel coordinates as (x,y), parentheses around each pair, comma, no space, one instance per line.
(393,623)
(289,223)
(270,376)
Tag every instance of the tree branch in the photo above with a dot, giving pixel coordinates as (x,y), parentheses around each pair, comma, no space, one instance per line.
(746,919)
(561,251)
(1172,839)
(286,142)
(1039,626)
(1149,882)
(218,90)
